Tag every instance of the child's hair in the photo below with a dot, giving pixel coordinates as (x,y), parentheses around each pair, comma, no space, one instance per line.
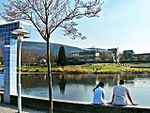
(121,82)
(101,84)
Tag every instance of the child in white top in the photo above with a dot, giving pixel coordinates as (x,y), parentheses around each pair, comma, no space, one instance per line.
(120,94)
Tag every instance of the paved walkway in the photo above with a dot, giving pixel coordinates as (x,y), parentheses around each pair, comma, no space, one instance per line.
(7,108)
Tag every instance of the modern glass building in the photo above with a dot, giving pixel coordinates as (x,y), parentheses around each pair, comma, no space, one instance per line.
(10,58)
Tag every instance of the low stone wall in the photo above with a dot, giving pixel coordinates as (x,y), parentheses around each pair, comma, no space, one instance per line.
(61,106)
(81,107)
(29,101)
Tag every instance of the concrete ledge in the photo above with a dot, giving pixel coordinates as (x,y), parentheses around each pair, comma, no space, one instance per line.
(84,107)
(62,106)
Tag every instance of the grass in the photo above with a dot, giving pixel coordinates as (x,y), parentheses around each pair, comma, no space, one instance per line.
(89,68)
(33,69)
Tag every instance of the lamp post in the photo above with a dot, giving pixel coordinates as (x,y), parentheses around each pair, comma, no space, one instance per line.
(20,35)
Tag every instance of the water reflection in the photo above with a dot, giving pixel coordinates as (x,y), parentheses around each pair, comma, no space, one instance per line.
(79,87)
(33,81)
(62,83)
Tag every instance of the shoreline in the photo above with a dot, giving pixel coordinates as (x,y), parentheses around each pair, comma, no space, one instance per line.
(76,72)
(104,68)
(108,72)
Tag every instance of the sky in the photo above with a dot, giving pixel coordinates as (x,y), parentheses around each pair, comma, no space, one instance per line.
(121,23)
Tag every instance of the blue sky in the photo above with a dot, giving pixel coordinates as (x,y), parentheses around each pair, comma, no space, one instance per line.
(121,23)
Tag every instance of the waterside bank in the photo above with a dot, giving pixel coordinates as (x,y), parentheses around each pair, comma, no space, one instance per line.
(100,68)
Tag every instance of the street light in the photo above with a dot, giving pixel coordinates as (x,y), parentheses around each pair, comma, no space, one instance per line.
(20,35)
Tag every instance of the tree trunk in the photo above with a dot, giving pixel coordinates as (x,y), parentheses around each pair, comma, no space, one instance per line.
(49,77)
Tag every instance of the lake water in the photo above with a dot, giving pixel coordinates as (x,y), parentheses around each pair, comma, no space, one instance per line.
(79,87)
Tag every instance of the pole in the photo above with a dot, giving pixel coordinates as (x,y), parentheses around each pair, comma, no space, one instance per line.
(20,33)
(19,75)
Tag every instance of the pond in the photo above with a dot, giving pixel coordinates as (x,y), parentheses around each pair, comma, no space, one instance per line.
(79,87)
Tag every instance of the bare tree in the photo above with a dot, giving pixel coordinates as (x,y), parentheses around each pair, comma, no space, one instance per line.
(48,15)
(29,58)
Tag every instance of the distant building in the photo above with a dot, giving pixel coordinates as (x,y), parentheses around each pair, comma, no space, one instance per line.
(128,54)
(144,57)
(85,56)
(89,55)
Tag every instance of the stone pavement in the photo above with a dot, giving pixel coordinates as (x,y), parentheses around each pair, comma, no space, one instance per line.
(7,108)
